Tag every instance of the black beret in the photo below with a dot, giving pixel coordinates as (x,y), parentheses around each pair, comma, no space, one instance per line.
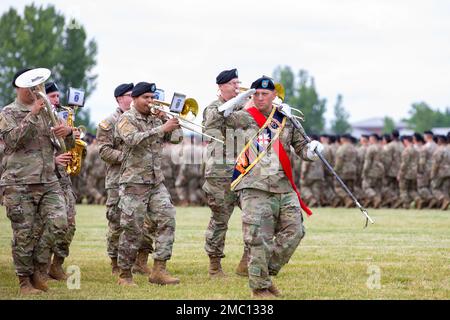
(18,73)
(143,87)
(263,83)
(226,76)
(122,89)
(51,87)
(428,132)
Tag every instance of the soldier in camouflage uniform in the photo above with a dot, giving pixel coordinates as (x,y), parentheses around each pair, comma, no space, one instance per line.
(61,249)
(218,172)
(361,149)
(345,167)
(170,170)
(95,174)
(328,186)
(33,197)
(392,152)
(424,195)
(271,212)
(111,151)
(373,172)
(407,175)
(312,180)
(424,171)
(142,192)
(440,173)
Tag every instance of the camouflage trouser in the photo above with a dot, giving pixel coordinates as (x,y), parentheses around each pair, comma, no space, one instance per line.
(390,189)
(371,187)
(440,188)
(62,244)
(311,189)
(136,202)
(408,190)
(38,217)
(273,227)
(114,229)
(328,190)
(221,201)
(425,192)
(340,192)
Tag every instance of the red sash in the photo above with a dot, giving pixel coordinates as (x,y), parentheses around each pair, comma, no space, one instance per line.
(282,155)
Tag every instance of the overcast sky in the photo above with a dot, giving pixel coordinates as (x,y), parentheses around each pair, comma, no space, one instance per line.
(380,55)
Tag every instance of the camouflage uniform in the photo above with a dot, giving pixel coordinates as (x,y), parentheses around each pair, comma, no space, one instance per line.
(392,153)
(33,197)
(440,174)
(345,166)
(111,151)
(271,214)
(424,171)
(170,170)
(95,175)
(312,179)
(328,193)
(218,172)
(408,176)
(142,192)
(359,188)
(372,174)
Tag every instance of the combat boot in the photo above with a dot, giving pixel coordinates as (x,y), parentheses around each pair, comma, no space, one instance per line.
(335,202)
(445,204)
(262,293)
(242,268)
(349,203)
(126,278)
(398,204)
(26,287)
(274,290)
(38,278)
(56,270)
(115,268)
(160,275)
(215,268)
(419,204)
(377,202)
(432,203)
(140,265)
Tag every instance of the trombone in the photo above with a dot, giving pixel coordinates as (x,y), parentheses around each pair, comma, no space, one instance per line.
(190,107)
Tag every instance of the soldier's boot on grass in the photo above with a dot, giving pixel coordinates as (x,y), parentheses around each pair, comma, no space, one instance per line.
(349,203)
(242,268)
(262,293)
(419,203)
(38,278)
(445,204)
(140,265)
(335,202)
(114,267)
(397,204)
(26,288)
(377,202)
(160,275)
(215,268)
(126,278)
(432,203)
(56,270)
(274,290)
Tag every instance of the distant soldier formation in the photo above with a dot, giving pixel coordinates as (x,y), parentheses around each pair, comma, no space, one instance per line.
(141,167)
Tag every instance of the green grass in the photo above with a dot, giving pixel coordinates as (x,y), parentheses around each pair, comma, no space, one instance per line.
(411,248)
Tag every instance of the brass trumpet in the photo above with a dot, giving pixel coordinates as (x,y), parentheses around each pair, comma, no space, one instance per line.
(190,107)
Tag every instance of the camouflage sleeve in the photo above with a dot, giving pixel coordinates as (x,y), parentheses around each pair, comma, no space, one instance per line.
(404,163)
(132,136)
(387,157)
(105,139)
(70,141)
(14,134)
(339,161)
(367,160)
(239,120)
(422,161)
(175,137)
(299,143)
(436,162)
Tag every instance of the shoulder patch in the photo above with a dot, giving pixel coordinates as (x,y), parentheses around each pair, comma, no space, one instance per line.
(125,126)
(105,125)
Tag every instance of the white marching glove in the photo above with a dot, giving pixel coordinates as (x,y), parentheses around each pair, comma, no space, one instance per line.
(314,146)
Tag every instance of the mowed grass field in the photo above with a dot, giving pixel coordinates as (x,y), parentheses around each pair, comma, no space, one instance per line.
(405,255)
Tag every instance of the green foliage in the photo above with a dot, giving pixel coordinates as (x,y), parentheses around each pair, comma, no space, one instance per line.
(301,94)
(42,38)
(389,125)
(423,117)
(340,125)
